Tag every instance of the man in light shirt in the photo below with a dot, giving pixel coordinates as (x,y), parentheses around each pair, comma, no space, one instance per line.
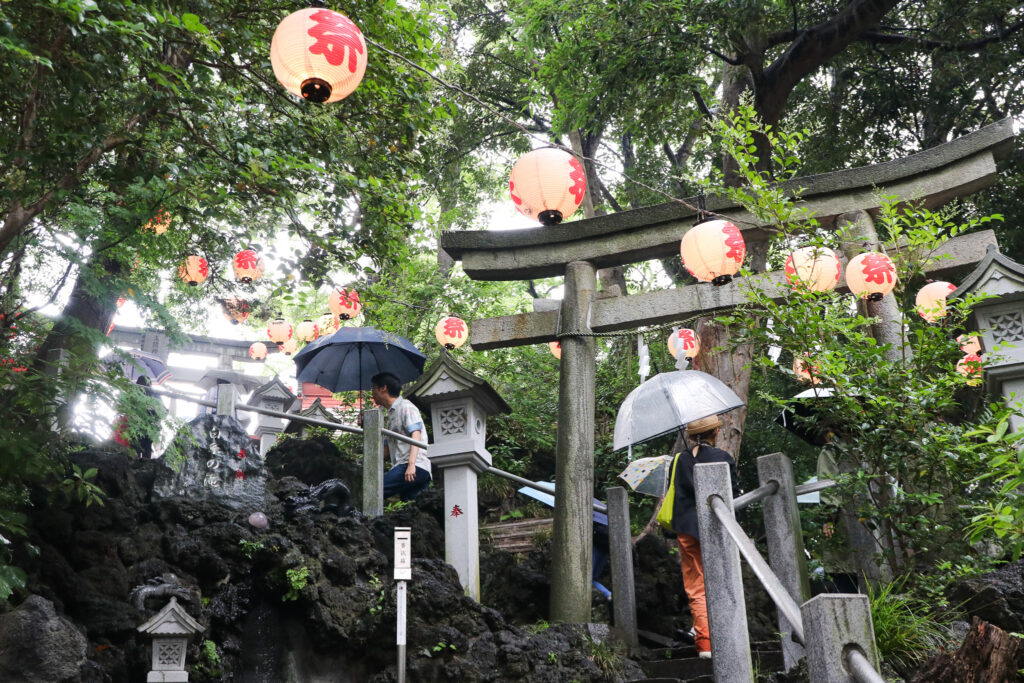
(410,467)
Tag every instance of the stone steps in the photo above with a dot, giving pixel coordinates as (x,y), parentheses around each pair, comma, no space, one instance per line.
(681,664)
(517,537)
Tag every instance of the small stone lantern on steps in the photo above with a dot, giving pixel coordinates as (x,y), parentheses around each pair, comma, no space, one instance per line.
(459,403)
(170,628)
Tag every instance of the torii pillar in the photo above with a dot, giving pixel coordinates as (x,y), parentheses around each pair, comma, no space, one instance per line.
(576,248)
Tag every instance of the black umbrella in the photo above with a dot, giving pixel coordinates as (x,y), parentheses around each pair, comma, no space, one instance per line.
(135,364)
(347,359)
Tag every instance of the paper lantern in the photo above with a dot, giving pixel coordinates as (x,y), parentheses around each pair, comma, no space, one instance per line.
(547,185)
(931,300)
(121,301)
(556,349)
(871,275)
(279,331)
(344,304)
(969,344)
(248,266)
(235,310)
(159,223)
(816,268)
(451,332)
(194,270)
(685,339)
(713,251)
(307,331)
(970,367)
(805,370)
(288,347)
(318,54)
(258,351)
(328,323)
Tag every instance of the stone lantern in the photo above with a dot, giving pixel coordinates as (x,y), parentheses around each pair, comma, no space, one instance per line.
(1000,322)
(459,403)
(170,629)
(273,395)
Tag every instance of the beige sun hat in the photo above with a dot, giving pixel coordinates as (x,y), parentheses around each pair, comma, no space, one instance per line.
(705,424)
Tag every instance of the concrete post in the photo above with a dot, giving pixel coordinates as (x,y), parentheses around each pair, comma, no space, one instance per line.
(785,543)
(462,526)
(572,535)
(227,398)
(834,624)
(373,463)
(723,580)
(620,542)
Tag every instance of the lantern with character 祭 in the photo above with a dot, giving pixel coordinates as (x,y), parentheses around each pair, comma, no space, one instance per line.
(931,300)
(194,270)
(248,266)
(318,54)
(685,340)
(871,275)
(279,331)
(258,351)
(816,268)
(289,347)
(547,185)
(969,344)
(805,370)
(713,251)
(307,331)
(970,367)
(451,332)
(344,304)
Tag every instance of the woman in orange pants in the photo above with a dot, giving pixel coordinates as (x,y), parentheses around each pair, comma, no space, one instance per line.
(702,435)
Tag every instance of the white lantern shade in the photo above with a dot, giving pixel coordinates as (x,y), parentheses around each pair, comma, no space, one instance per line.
(871,275)
(194,270)
(451,332)
(258,351)
(328,323)
(969,344)
(685,340)
(236,310)
(318,54)
(289,347)
(805,370)
(547,185)
(344,304)
(970,367)
(279,331)
(931,300)
(307,331)
(713,251)
(556,349)
(248,266)
(816,268)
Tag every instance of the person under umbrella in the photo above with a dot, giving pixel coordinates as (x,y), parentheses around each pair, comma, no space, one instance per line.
(702,434)
(410,467)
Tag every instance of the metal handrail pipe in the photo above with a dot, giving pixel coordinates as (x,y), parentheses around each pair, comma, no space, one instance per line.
(751,497)
(537,486)
(782,599)
(813,486)
(860,668)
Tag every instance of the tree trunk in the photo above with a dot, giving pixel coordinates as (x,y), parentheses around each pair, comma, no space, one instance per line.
(988,655)
(733,368)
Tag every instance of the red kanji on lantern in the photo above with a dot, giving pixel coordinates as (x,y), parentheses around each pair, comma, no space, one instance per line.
(688,338)
(579,180)
(877,268)
(734,240)
(333,33)
(454,327)
(512,191)
(456,511)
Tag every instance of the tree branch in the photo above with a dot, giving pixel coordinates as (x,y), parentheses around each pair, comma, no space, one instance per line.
(969,46)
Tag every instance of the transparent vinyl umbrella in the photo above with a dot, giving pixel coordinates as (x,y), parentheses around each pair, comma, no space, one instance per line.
(669,401)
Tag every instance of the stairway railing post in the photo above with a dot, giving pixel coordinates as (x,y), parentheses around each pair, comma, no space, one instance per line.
(834,624)
(620,542)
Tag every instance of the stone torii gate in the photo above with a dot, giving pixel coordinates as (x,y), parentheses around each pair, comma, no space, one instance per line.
(577,249)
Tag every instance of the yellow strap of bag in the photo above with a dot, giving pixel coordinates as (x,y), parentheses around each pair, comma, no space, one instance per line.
(665,513)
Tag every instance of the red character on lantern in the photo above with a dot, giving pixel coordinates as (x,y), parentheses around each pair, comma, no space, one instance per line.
(877,269)
(333,33)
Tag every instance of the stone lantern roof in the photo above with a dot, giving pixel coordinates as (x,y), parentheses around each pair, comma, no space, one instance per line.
(996,274)
(445,380)
(274,390)
(172,620)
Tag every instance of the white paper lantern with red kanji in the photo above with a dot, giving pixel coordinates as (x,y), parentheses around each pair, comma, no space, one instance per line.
(289,347)
(451,332)
(279,330)
(547,185)
(307,331)
(318,54)
(194,270)
(159,223)
(931,300)
(328,324)
(969,344)
(970,367)
(248,266)
(686,340)
(235,310)
(713,251)
(805,370)
(871,275)
(344,304)
(258,351)
(556,349)
(816,268)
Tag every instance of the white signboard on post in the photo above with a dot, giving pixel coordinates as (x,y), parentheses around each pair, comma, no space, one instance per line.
(403,553)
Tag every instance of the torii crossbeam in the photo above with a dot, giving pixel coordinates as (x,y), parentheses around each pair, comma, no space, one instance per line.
(578,248)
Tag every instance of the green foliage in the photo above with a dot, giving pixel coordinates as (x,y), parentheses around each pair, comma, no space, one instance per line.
(78,487)
(538,627)
(297,578)
(210,655)
(907,630)
(377,587)
(250,548)
(607,655)
(396,505)
(1003,516)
